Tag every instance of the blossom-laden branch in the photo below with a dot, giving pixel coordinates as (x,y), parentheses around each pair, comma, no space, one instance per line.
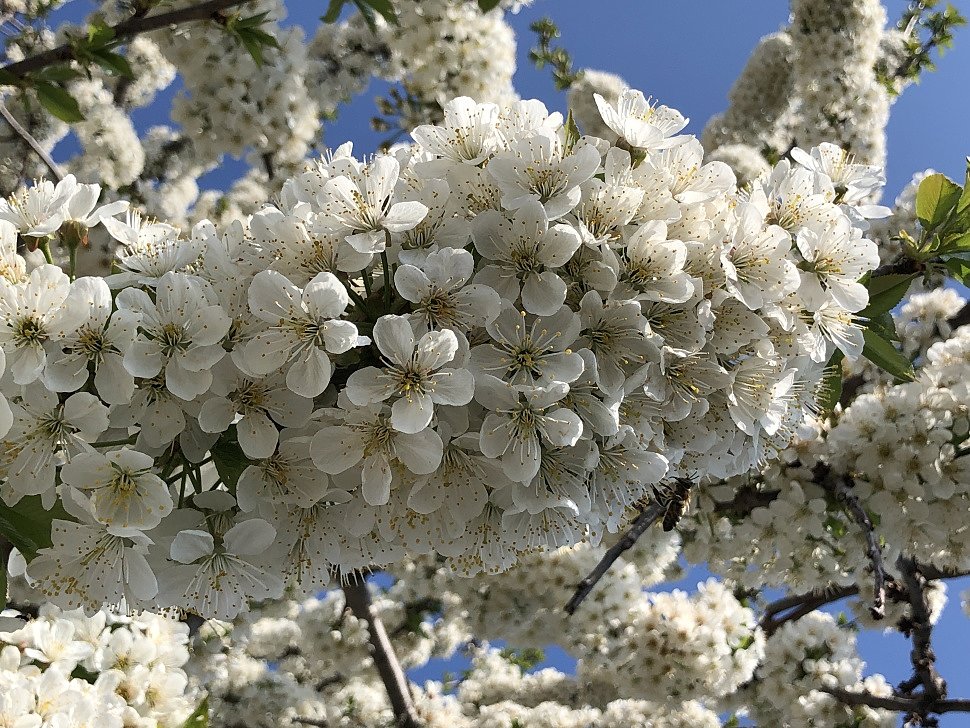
(130,28)
(392,675)
(640,525)
(33,143)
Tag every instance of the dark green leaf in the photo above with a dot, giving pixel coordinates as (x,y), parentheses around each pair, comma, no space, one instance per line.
(8,79)
(58,102)
(830,388)
(200,716)
(884,325)
(385,8)
(486,5)
(885,292)
(958,268)
(112,62)
(58,74)
(3,585)
(333,11)
(885,356)
(935,198)
(368,12)
(229,459)
(27,525)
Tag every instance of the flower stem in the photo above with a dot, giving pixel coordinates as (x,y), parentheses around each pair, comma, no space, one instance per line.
(45,248)
(385,263)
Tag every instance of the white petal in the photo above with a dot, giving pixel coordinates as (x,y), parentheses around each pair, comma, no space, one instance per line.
(252,536)
(188,546)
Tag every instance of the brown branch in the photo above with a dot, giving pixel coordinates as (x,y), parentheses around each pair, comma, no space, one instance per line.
(920,630)
(894,702)
(210,10)
(961,317)
(777,613)
(640,524)
(886,702)
(904,266)
(392,675)
(873,549)
(124,83)
(32,143)
(746,500)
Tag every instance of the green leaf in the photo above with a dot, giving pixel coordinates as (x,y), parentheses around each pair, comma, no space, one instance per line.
(958,268)
(58,102)
(486,5)
(27,525)
(385,8)
(885,292)
(884,325)
(9,79)
(830,388)
(935,198)
(112,62)
(333,11)
(200,716)
(573,134)
(100,34)
(885,356)
(964,202)
(58,74)
(3,585)
(229,459)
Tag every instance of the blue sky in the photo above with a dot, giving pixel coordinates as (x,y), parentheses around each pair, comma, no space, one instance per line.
(687,54)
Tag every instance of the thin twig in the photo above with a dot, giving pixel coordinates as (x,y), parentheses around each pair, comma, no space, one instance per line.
(33,143)
(126,29)
(642,522)
(777,613)
(873,549)
(392,675)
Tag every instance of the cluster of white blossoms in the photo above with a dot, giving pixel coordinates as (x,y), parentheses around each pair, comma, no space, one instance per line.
(492,342)
(900,448)
(69,670)
(811,653)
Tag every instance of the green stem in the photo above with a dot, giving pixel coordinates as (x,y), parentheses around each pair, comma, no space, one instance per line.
(115,443)
(359,302)
(386,264)
(45,248)
(365,276)
(72,262)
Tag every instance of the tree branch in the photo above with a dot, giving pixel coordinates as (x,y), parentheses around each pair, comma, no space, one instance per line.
(920,630)
(210,10)
(637,529)
(873,549)
(777,613)
(33,143)
(392,675)
(961,317)
(904,266)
